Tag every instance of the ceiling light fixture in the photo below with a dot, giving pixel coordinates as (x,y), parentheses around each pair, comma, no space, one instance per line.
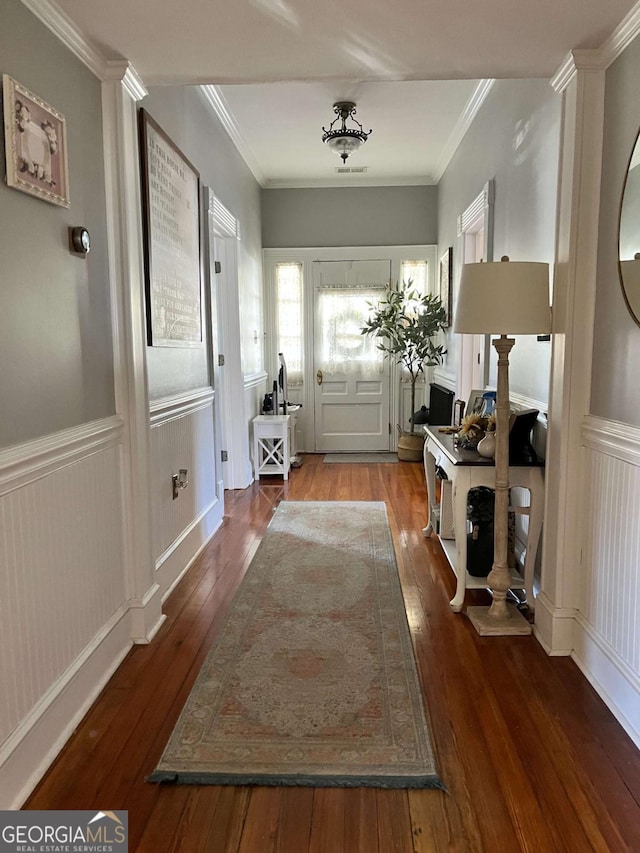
(344,140)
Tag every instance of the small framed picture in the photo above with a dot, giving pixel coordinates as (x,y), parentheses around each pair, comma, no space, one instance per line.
(35,144)
(446,270)
(475,404)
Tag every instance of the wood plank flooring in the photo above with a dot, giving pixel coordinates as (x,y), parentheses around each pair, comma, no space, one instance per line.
(531,758)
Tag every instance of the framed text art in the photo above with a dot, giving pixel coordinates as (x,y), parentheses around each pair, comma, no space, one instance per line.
(446,269)
(35,144)
(171,195)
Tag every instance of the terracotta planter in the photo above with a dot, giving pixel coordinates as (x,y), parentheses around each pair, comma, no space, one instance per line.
(410,446)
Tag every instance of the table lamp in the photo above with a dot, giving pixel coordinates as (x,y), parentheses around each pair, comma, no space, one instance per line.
(503,298)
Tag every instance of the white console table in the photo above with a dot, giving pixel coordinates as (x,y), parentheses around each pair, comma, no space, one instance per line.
(467,469)
(271,453)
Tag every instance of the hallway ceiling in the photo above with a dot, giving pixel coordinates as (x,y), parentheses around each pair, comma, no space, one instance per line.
(384,56)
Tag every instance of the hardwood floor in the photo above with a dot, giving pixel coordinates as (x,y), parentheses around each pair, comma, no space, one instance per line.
(531,758)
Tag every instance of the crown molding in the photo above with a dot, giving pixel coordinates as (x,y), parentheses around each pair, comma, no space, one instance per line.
(120,69)
(463,124)
(602,57)
(349,181)
(64,28)
(218,104)
(620,39)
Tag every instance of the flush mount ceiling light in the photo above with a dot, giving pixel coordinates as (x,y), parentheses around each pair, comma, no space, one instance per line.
(344,140)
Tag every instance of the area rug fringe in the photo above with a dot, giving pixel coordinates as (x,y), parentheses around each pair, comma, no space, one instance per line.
(312,680)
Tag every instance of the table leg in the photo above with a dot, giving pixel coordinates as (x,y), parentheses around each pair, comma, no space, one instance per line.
(429,462)
(536,510)
(460,521)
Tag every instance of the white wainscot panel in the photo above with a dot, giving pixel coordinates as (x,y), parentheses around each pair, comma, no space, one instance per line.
(181,527)
(608,634)
(62,590)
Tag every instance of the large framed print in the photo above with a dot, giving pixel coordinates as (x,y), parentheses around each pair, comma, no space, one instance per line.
(171,207)
(35,136)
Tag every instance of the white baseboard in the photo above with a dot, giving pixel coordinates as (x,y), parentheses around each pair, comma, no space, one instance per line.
(177,559)
(33,746)
(616,684)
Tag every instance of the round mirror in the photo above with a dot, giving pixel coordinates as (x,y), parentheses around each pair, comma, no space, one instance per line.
(629,235)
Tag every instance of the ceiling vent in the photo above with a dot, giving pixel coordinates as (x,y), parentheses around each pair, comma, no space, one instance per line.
(353,170)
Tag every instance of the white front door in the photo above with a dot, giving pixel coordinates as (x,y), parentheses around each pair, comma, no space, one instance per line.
(352,399)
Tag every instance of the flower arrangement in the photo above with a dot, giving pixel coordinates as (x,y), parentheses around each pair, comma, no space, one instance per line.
(473,428)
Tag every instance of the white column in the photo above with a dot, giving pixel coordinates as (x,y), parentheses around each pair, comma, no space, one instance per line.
(581,82)
(121,90)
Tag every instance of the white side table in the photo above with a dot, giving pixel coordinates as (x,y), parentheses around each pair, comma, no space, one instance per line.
(271,454)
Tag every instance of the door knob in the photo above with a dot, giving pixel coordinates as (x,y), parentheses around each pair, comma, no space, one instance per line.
(319,377)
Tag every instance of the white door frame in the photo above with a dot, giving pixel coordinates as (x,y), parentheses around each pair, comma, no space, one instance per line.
(306,256)
(223,232)
(475,242)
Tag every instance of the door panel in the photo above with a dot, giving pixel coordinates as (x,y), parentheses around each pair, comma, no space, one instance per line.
(352,391)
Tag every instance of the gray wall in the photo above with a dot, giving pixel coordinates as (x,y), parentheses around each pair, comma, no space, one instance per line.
(56,362)
(615,392)
(515,140)
(189,122)
(349,216)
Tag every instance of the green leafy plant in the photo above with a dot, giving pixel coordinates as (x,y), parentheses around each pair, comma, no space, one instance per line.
(407,325)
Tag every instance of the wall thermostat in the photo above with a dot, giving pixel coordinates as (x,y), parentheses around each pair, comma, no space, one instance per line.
(80,239)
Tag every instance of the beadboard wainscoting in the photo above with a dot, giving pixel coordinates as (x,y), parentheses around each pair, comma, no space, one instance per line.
(183,436)
(255,387)
(607,633)
(64,624)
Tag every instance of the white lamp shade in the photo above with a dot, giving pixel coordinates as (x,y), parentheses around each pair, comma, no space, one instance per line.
(503,298)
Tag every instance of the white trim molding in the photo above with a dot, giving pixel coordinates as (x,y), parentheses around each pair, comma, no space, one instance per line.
(253,380)
(35,743)
(216,101)
(24,463)
(179,405)
(613,438)
(64,28)
(471,110)
(616,683)
(598,59)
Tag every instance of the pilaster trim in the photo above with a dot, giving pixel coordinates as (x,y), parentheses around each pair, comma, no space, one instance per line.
(179,406)
(554,626)
(24,463)
(66,30)
(613,438)
(120,69)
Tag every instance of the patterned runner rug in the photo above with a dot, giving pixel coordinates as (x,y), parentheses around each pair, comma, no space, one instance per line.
(312,680)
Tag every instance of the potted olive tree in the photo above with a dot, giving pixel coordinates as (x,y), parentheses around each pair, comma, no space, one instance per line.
(407,325)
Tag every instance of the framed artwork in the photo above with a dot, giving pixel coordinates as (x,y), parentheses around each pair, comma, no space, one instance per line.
(446,268)
(475,404)
(35,144)
(171,224)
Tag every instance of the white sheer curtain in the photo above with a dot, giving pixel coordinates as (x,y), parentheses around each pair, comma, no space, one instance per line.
(289,319)
(342,311)
(416,272)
